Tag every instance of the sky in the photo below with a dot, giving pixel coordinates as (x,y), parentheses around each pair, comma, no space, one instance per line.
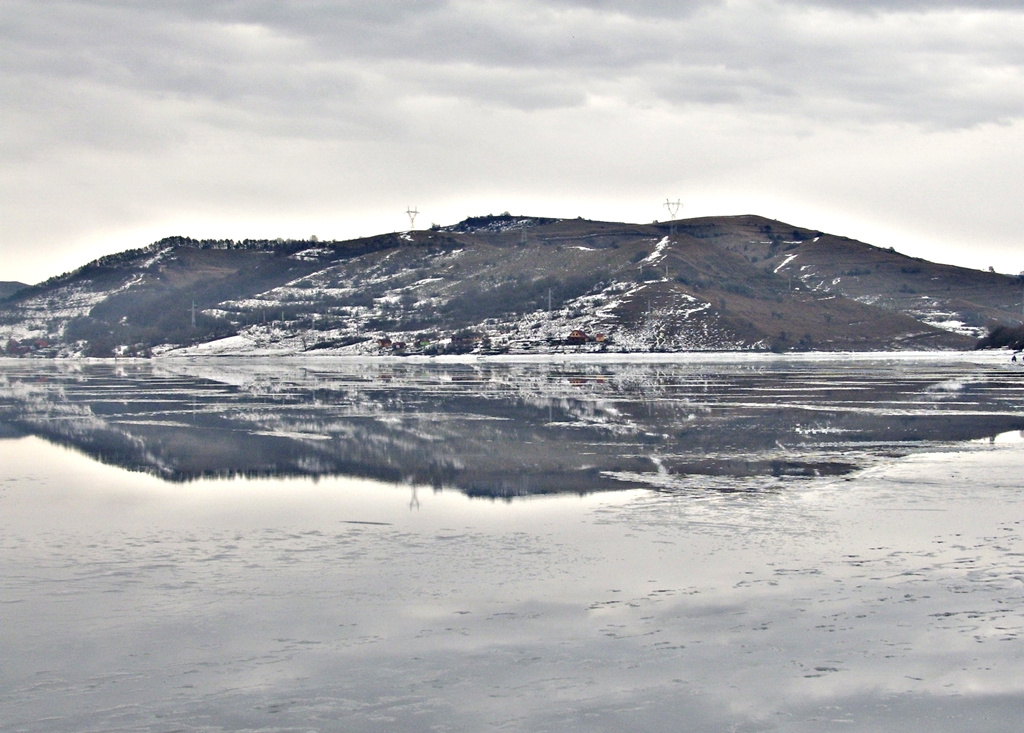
(899,123)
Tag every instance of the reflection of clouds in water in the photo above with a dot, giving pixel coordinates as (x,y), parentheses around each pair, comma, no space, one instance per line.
(885,585)
(1013,436)
(890,600)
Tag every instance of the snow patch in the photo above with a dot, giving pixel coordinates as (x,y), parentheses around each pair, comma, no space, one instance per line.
(313,254)
(789,258)
(659,251)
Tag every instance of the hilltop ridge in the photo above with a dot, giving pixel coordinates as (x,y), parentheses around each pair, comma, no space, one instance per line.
(511,284)
(10,287)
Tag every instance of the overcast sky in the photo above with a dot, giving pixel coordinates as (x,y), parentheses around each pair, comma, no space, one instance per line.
(900,123)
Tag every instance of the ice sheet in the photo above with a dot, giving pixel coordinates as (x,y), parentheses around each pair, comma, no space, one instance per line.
(890,598)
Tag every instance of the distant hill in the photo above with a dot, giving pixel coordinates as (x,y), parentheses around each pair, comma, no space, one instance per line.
(9,288)
(512,284)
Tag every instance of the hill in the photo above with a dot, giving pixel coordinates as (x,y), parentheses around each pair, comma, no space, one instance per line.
(508,284)
(10,287)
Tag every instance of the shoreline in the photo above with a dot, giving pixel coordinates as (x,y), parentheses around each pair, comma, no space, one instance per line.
(987,356)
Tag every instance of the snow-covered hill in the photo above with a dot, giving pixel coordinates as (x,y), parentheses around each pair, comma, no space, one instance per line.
(505,284)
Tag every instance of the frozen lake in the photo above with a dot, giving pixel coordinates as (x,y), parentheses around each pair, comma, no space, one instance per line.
(745,543)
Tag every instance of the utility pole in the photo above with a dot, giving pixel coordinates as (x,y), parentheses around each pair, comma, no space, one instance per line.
(193,314)
(412,212)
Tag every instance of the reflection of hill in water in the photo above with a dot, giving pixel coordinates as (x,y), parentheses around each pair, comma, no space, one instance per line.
(506,430)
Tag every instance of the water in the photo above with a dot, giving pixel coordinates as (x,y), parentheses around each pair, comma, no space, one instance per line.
(513,429)
(717,544)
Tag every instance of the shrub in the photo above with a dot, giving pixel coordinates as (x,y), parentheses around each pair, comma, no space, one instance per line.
(1001,336)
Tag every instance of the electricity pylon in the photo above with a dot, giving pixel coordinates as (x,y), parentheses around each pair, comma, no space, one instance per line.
(412,212)
(673,210)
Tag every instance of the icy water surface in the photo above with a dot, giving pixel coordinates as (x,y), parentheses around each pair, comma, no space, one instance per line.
(721,544)
(510,429)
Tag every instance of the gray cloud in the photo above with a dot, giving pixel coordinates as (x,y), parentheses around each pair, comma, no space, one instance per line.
(917,6)
(351,62)
(201,90)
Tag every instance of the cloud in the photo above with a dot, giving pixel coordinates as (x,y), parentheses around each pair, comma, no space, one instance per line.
(933,64)
(217,104)
(917,6)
